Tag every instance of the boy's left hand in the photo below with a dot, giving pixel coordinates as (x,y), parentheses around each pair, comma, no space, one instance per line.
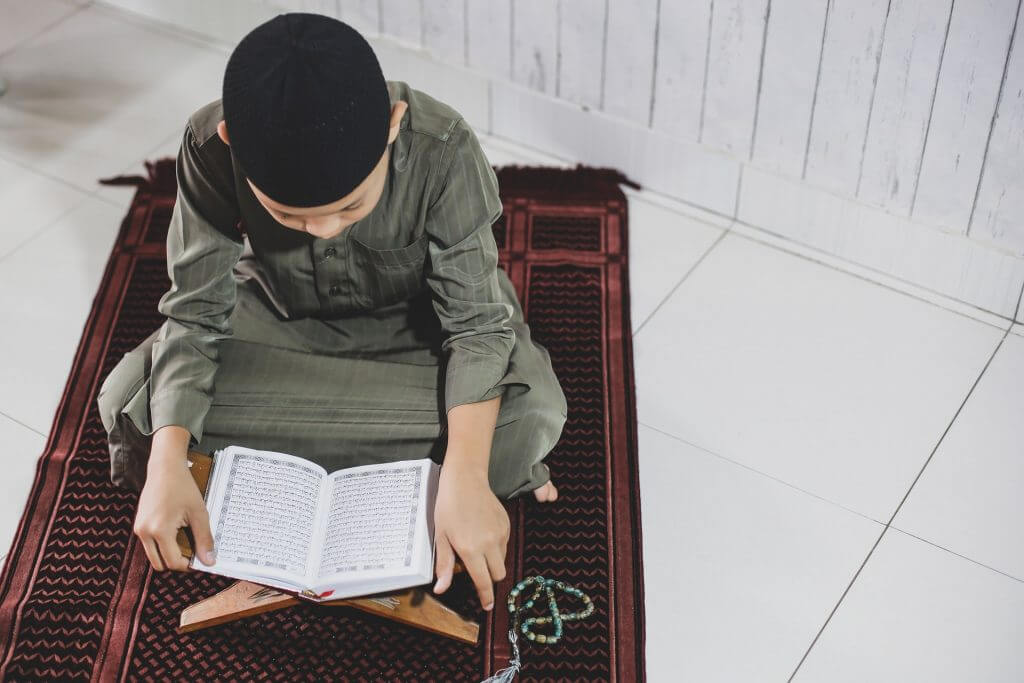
(471,521)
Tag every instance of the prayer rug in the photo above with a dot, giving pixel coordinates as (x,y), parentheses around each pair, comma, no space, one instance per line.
(78,599)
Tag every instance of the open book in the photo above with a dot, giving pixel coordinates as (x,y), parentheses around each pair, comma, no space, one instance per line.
(283,521)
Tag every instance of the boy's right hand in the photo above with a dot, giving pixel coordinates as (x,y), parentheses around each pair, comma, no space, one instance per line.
(170,500)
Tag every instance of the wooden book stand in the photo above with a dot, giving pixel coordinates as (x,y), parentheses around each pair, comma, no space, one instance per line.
(413,606)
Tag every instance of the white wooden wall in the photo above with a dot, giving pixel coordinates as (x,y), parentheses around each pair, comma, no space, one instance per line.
(887,132)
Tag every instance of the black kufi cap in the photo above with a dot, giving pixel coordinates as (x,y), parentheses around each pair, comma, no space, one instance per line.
(307,108)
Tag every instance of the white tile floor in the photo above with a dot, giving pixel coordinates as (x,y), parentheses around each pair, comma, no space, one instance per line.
(831,468)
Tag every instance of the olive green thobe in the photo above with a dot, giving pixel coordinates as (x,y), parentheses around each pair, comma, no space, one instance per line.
(346,350)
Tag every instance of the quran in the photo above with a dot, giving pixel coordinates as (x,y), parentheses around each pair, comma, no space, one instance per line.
(283,521)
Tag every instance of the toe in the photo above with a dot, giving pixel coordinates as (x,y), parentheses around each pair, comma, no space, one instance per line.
(546,493)
(541,493)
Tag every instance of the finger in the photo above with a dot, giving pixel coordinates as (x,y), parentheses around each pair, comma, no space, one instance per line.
(496,563)
(445,563)
(476,565)
(199,520)
(167,544)
(146,539)
(154,557)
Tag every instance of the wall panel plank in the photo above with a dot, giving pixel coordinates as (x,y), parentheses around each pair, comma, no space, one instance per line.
(535,44)
(792,49)
(679,78)
(999,210)
(326,7)
(734,65)
(363,15)
(401,19)
(965,101)
(489,36)
(444,30)
(914,35)
(581,30)
(629,59)
(849,64)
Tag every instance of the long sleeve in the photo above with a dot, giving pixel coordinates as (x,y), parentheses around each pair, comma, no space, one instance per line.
(462,272)
(203,246)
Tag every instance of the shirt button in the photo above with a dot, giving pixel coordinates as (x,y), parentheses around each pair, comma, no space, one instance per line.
(334,290)
(329,252)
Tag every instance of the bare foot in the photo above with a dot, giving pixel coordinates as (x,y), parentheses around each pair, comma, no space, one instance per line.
(547,492)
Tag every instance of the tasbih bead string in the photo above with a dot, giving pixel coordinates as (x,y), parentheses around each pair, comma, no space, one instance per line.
(557,618)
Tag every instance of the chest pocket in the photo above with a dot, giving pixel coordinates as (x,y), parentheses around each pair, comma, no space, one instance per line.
(387,276)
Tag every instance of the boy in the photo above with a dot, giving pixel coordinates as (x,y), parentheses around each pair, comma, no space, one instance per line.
(362,320)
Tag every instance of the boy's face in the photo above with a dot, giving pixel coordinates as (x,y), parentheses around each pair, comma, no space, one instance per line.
(331,219)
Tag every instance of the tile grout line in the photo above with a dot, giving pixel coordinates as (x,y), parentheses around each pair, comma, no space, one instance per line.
(899,285)
(1016,311)
(19,422)
(44,173)
(730,461)
(884,285)
(961,556)
(795,251)
(686,275)
(836,607)
(24,41)
(760,473)
(667,201)
(888,524)
(86,195)
(162,27)
(46,227)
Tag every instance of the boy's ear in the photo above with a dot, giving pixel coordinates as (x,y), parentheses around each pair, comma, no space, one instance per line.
(397,112)
(222,131)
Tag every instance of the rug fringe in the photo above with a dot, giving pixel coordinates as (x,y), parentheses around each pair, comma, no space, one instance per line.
(579,182)
(160,176)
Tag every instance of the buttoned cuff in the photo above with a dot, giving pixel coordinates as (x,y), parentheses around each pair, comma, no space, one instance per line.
(183,408)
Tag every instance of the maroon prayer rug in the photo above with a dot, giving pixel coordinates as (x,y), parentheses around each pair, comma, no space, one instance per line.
(79,601)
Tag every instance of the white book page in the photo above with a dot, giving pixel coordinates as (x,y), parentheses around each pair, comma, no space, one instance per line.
(263,509)
(378,522)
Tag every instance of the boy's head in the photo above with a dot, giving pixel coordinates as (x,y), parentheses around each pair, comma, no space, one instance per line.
(309,119)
